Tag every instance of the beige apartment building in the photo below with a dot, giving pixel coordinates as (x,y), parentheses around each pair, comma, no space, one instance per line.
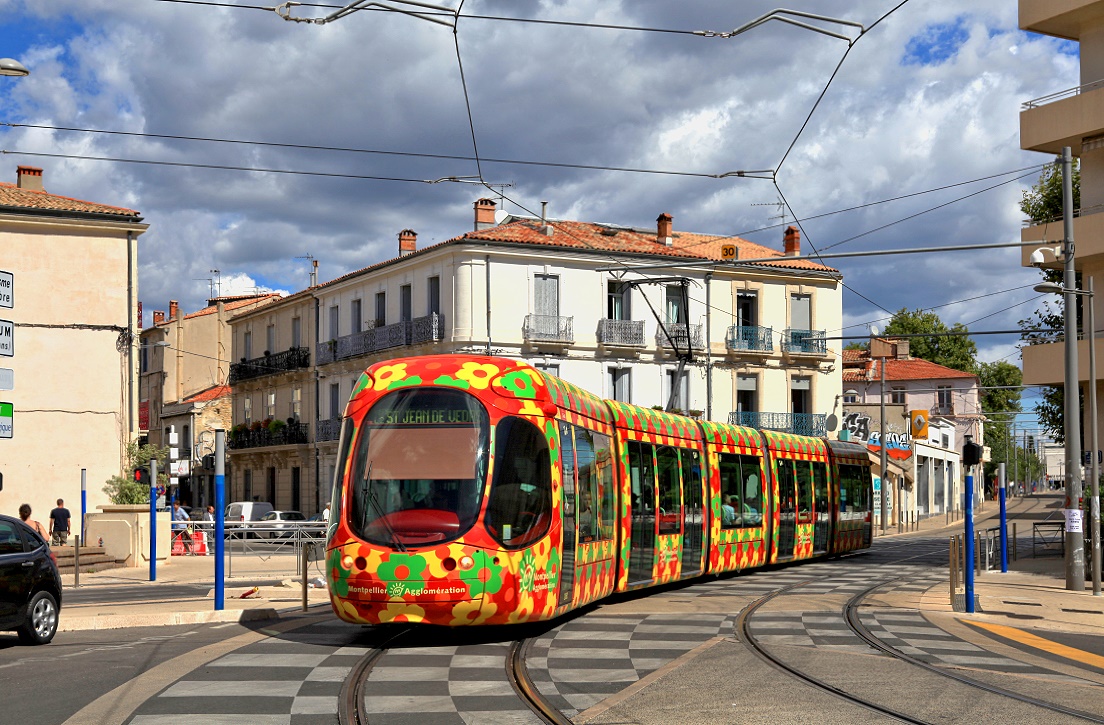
(1071,117)
(584,301)
(73,339)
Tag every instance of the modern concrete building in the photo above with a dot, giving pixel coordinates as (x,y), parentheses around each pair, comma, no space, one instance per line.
(71,344)
(1071,117)
(609,308)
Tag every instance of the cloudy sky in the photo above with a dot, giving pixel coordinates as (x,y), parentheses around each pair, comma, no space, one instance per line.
(927,98)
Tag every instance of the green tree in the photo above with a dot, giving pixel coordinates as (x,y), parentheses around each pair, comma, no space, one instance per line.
(1042,204)
(122,489)
(1000,400)
(956,351)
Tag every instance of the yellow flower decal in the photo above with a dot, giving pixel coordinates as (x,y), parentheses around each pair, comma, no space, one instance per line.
(388,374)
(478,374)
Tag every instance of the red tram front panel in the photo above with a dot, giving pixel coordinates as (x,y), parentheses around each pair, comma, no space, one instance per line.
(453,516)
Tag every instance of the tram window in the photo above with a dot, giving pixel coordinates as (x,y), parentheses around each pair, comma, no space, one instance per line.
(741,491)
(520,508)
(588,494)
(670,500)
(347,430)
(854,491)
(603,476)
(642,477)
(804,486)
(820,487)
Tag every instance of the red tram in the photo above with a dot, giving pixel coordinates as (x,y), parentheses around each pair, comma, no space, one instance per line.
(479,490)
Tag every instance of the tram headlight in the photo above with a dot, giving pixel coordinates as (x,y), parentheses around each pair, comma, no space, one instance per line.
(466,562)
(347,562)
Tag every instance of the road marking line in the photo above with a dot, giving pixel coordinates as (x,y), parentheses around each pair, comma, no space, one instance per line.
(1036,642)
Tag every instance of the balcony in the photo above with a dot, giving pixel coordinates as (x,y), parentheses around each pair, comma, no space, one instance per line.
(549,328)
(430,328)
(804,342)
(947,410)
(327,430)
(621,333)
(806,424)
(1063,119)
(749,339)
(282,362)
(681,334)
(289,434)
(1044,361)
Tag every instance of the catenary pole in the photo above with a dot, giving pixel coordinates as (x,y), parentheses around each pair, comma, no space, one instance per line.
(1094,506)
(1075,540)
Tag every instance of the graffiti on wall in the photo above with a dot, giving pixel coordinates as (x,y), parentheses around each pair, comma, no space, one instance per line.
(863,429)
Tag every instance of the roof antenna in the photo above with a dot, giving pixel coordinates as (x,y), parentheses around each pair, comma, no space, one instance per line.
(314,268)
(781,217)
(218,281)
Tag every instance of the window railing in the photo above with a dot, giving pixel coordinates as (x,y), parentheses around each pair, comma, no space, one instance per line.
(942,410)
(288,434)
(804,342)
(430,328)
(628,333)
(1059,95)
(806,424)
(327,430)
(548,328)
(742,337)
(681,334)
(282,362)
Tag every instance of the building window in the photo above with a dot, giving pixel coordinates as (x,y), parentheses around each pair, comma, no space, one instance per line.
(247,492)
(247,345)
(850,396)
(550,368)
(335,318)
(801,395)
(801,312)
(680,400)
(143,360)
(381,309)
(943,398)
(620,384)
(676,306)
(296,332)
(270,339)
(747,309)
(897,396)
(355,321)
(296,402)
(335,400)
(747,389)
(270,404)
(406,305)
(434,296)
(618,297)
(247,409)
(546,295)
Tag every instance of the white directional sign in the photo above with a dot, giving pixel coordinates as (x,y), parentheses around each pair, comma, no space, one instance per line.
(7,338)
(7,379)
(6,416)
(7,289)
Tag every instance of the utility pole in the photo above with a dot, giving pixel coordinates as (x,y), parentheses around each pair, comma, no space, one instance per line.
(1075,538)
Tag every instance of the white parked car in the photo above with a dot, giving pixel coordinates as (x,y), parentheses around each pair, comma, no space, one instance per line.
(279,524)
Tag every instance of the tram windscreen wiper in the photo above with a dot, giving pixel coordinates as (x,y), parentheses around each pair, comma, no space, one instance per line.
(394,538)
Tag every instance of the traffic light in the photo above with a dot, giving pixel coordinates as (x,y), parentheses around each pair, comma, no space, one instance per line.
(141,475)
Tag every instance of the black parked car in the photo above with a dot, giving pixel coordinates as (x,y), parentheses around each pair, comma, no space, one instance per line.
(30,585)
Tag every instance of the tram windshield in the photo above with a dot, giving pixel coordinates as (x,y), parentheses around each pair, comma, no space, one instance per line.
(419,467)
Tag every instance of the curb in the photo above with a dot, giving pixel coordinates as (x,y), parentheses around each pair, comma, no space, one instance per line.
(121,621)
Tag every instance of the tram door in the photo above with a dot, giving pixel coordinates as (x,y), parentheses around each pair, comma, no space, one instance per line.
(822,523)
(692,513)
(787,508)
(642,481)
(567,560)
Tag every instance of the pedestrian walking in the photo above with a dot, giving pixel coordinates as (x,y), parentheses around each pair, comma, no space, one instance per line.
(326,512)
(59,524)
(25,516)
(180,527)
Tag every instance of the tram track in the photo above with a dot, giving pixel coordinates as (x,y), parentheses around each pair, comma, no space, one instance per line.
(350,700)
(519,678)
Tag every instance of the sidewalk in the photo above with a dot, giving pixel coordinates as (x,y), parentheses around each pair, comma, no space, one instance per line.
(182,594)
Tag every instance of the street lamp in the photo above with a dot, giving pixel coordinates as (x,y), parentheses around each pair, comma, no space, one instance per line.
(1094,506)
(12,67)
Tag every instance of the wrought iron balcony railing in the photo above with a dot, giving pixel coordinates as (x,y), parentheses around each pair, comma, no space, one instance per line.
(804,342)
(942,410)
(282,362)
(680,333)
(327,430)
(625,333)
(755,339)
(806,424)
(289,434)
(430,328)
(548,328)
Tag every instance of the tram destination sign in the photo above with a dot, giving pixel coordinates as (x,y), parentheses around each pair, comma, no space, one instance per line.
(7,289)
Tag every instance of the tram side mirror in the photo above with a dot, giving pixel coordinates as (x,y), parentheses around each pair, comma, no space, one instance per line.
(971,452)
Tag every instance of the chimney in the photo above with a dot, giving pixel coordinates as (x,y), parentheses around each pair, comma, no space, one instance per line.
(663,228)
(29,178)
(484,214)
(158,317)
(546,228)
(174,310)
(408,240)
(791,242)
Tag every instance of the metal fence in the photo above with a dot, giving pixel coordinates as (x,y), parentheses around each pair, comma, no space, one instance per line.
(268,548)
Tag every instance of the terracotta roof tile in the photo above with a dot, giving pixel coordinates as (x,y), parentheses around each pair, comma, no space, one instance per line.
(212,393)
(12,196)
(899,370)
